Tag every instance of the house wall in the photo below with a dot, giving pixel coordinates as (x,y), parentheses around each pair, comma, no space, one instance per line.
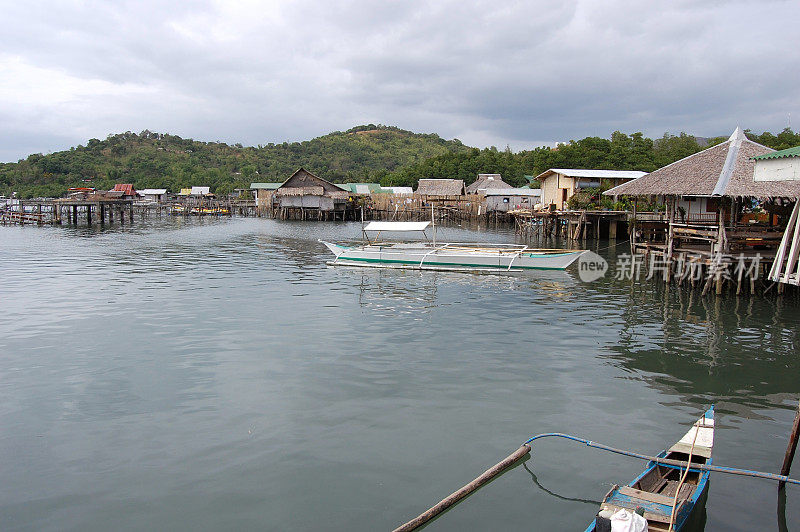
(323,203)
(697,209)
(785,169)
(510,203)
(552,190)
(264,197)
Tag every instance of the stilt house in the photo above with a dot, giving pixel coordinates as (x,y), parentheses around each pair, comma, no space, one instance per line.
(306,196)
(711,199)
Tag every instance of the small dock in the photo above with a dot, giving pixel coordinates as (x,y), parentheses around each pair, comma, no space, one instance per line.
(103,210)
(90,209)
(570,225)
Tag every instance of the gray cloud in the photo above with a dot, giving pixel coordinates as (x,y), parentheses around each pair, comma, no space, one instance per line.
(522,74)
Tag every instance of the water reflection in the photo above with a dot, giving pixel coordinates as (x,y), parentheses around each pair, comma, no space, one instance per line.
(538,484)
(710,349)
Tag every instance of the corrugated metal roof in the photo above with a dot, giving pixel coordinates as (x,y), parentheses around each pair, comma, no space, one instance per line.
(153,191)
(514,192)
(788,152)
(264,186)
(126,188)
(602,174)
(398,190)
(361,188)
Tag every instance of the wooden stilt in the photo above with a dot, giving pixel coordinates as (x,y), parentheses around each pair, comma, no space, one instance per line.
(790,450)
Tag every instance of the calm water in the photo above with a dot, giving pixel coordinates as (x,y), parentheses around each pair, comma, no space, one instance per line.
(215,374)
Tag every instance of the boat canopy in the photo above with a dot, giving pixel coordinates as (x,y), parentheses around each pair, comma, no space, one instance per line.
(396,226)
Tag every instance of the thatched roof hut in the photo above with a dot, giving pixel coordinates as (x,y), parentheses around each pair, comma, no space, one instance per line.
(722,170)
(304,191)
(487,182)
(303,182)
(441,187)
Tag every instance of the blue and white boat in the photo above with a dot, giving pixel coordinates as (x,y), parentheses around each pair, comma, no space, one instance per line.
(668,494)
(430,255)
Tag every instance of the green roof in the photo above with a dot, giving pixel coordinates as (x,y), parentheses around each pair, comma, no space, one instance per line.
(789,152)
(361,188)
(265,186)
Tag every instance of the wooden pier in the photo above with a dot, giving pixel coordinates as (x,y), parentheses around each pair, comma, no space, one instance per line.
(570,225)
(90,208)
(102,210)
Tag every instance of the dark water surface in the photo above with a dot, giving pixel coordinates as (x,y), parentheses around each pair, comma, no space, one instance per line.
(216,374)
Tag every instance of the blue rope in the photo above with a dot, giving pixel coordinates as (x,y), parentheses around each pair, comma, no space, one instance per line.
(664,461)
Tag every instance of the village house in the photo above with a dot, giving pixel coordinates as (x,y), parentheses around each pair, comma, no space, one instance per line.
(558,185)
(710,199)
(432,188)
(152,195)
(784,166)
(306,196)
(512,199)
(698,183)
(122,191)
(263,193)
(487,182)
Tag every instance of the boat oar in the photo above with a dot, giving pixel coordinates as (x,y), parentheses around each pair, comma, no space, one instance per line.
(457,496)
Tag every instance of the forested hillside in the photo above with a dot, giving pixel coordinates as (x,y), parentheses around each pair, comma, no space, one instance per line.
(156,160)
(620,152)
(371,153)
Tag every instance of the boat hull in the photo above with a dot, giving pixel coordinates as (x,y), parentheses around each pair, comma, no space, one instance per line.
(453,256)
(651,489)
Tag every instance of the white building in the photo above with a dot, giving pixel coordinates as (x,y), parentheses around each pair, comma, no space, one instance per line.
(784,166)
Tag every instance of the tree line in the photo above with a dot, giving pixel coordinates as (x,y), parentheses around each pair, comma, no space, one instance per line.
(368,153)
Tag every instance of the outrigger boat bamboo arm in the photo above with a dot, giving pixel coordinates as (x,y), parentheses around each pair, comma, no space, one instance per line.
(434,250)
(488,475)
(673,463)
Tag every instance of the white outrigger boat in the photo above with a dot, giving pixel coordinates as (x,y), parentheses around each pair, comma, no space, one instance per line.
(430,255)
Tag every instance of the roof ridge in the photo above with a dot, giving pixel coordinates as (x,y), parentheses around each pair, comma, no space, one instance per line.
(729,165)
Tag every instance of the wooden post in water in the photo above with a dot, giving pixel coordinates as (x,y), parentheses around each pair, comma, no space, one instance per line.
(671,205)
(787,459)
(457,496)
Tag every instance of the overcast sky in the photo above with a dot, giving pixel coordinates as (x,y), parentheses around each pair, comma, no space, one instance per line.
(488,73)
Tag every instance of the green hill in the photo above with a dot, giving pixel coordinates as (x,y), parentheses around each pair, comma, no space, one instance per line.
(369,153)
(156,160)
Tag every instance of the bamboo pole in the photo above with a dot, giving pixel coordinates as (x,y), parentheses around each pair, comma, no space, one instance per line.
(457,496)
(787,459)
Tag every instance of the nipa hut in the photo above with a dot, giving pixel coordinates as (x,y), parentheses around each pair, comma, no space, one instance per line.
(441,187)
(487,182)
(707,196)
(306,196)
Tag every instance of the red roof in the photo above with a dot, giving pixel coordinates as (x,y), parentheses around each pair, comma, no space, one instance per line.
(126,189)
